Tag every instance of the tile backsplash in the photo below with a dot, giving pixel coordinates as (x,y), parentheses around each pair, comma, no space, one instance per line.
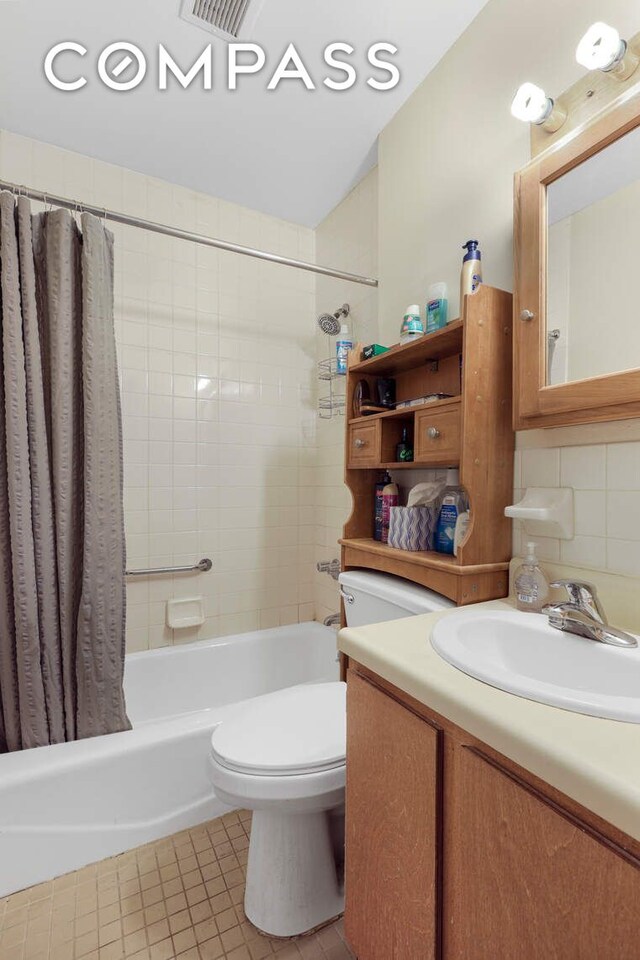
(606,482)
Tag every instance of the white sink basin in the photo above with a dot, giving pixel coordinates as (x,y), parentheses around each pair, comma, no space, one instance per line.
(522,654)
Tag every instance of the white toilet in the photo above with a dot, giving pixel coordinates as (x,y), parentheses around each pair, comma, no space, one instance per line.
(284,759)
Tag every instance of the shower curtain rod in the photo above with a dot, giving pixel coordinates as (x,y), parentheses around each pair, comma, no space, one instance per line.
(178,234)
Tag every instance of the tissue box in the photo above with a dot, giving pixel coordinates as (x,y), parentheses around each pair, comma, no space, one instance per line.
(412,528)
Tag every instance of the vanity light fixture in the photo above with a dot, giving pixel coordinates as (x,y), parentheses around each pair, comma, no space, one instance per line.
(602,48)
(532,105)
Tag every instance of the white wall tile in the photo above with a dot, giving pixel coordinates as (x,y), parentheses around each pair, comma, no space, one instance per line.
(585,552)
(590,513)
(623,515)
(623,556)
(623,466)
(170,340)
(583,468)
(540,468)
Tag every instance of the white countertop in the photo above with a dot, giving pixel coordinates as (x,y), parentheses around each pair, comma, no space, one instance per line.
(595,762)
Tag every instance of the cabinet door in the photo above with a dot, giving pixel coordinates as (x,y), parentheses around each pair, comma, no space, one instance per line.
(391,829)
(523,880)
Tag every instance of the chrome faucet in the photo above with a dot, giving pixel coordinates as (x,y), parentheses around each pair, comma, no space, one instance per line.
(332,621)
(584,615)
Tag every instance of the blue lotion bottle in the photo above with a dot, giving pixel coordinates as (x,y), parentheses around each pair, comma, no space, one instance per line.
(343,346)
(453,504)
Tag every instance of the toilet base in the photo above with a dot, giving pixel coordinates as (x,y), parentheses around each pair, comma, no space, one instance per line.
(292,885)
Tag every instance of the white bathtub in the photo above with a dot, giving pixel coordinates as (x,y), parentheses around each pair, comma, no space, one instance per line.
(65,806)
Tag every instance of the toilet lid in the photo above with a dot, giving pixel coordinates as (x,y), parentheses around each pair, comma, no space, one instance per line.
(294,731)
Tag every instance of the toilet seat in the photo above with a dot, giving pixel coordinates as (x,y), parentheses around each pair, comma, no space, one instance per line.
(291,733)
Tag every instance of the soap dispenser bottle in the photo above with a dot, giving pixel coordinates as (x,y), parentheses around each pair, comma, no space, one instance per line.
(532,588)
(471,276)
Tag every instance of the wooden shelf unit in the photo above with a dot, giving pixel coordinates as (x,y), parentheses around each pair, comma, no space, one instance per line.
(471,360)
(399,359)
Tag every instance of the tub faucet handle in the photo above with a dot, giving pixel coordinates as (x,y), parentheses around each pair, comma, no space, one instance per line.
(332,567)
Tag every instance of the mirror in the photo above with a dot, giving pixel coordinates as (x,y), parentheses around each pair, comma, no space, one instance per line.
(593,265)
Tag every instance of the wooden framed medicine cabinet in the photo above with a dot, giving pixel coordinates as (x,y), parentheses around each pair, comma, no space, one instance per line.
(470,360)
(576,333)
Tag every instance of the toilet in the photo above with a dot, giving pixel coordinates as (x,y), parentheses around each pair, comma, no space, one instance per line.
(283,757)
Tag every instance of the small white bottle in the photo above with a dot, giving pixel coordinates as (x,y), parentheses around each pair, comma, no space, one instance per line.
(462,528)
(412,326)
(532,588)
(343,346)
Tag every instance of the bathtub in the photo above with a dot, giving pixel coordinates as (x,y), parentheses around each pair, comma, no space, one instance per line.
(65,806)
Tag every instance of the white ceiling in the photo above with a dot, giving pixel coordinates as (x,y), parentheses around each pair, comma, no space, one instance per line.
(291,153)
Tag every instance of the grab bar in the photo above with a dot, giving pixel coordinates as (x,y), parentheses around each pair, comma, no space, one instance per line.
(203,567)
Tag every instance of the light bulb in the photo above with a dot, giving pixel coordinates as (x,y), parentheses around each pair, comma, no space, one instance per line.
(531,104)
(600,48)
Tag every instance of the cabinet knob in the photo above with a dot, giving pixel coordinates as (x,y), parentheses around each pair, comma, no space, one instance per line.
(433,433)
(527,315)
(360,443)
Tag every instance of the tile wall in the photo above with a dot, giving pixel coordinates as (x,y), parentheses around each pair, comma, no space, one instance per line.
(348,239)
(606,481)
(217,358)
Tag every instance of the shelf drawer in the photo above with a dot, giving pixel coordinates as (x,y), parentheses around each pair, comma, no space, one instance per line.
(364,445)
(438,437)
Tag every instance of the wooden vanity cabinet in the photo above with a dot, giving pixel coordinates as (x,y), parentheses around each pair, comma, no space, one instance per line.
(391,827)
(526,879)
(456,853)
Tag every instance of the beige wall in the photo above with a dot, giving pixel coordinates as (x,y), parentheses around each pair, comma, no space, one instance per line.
(446,166)
(447,159)
(348,238)
(217,363)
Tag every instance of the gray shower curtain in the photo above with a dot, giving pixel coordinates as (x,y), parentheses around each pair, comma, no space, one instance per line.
(62,548)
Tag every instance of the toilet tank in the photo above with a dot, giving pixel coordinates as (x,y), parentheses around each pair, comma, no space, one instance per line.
(377,597)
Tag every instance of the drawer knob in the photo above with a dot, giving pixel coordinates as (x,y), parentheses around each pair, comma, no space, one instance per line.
(433,433)
(360,443)
(526,316)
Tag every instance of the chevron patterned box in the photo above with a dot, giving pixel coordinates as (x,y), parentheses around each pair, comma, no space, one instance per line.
(412,528)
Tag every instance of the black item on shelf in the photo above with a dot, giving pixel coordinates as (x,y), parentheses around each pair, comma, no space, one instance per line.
(404,450)
(361,396)
(386,392)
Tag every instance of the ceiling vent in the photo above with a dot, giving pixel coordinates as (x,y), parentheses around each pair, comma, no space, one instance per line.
(229,19)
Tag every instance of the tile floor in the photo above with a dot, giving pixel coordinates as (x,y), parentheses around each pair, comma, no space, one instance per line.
(179,898)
